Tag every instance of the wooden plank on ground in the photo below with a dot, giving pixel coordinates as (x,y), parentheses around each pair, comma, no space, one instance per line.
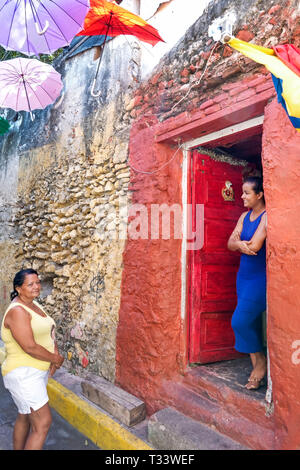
(127,408)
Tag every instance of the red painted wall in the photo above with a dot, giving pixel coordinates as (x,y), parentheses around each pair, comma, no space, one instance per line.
(281,163)
(151,336)
(150,329)
(149,320)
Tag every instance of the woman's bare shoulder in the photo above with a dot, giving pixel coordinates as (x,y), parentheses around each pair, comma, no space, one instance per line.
(264,216)
(16,313)
(242,216)
(263,220)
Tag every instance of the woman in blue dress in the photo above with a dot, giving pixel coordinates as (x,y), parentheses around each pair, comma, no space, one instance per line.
(249,238)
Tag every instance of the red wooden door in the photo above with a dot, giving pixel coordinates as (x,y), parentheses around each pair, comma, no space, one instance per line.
(213,268)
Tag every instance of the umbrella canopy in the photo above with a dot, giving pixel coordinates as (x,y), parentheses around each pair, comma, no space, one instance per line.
(4,126)
(109,19)
(28,84)
(40,26)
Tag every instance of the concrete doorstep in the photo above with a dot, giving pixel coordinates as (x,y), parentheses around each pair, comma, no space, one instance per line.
(170,430)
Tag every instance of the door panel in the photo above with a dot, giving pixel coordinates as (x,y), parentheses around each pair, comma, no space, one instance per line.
(216,234)
(213,268)
(214,285)
(216,335)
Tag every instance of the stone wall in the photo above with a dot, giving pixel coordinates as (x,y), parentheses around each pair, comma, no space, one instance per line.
(67,174)
(68,237)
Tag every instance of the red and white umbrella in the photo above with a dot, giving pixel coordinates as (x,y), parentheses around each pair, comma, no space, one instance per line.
(28,84)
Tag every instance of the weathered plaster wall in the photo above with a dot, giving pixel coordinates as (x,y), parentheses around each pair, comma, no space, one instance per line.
(149,328)
(233,86)
(171,19)
(67,174)
(281,179)
(9,232)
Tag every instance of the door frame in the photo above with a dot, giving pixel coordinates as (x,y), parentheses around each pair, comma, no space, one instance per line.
(226,135)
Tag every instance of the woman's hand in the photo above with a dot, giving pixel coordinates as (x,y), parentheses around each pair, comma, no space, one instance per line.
(57,363)
(52,370)
(244,248)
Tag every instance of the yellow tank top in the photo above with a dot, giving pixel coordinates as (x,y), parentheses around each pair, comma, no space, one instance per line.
(15,356)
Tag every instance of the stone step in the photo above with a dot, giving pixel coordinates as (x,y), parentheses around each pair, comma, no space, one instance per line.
(215,394)
(229,394)
(122,405)
(168,429)
(222,416)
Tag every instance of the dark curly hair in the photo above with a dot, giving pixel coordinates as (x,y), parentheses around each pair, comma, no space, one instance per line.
(19,280)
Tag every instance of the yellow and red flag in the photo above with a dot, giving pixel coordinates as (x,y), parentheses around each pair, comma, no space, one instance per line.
(284,64)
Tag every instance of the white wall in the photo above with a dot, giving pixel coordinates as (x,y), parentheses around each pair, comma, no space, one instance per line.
(170,17)
(172,21)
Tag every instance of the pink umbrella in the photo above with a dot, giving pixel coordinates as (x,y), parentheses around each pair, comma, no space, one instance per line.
(40,26)
(28,84)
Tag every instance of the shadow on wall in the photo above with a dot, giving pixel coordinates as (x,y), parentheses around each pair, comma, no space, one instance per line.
(47,287)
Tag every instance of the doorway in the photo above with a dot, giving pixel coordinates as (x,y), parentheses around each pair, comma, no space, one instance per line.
(217,170)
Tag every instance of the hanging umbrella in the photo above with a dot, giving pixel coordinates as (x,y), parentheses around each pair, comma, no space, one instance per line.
(40,26)
(108,19)
(4,126)
(28,84)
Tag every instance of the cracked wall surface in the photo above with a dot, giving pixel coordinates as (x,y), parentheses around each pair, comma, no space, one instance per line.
(64,176)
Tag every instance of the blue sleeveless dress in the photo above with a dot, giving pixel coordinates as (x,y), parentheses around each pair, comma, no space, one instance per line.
(251,293)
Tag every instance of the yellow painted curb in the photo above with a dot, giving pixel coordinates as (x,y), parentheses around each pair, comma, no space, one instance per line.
(99,428)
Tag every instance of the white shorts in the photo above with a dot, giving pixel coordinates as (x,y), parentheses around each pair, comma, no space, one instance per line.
(28,388)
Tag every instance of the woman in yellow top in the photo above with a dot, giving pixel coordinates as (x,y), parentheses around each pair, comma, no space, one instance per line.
(31,356)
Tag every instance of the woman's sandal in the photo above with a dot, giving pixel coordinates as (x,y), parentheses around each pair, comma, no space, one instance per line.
(254,384)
